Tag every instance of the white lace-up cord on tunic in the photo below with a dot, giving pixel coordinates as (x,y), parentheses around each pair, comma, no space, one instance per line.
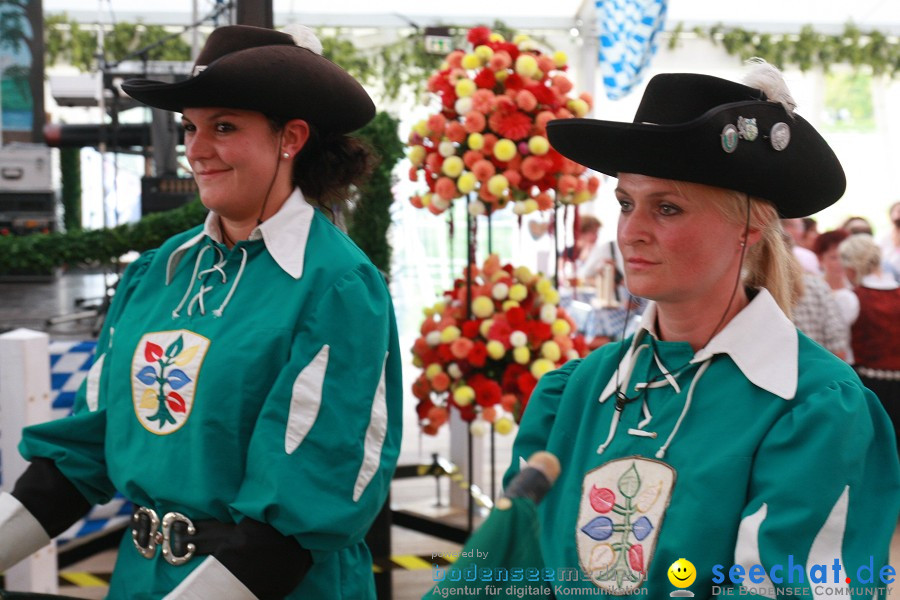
(670,379)
(217,267)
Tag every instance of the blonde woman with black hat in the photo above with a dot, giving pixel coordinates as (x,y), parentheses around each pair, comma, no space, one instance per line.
(246,394)
(718,433)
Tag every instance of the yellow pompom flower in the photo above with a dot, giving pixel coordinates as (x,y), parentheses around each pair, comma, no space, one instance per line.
(426,200)
(531,205)
(551,351)
(519,38)
(496,37)
(495,349)
(449,334)
(526,65)
(501,75)
(543,286)
(417,154)
(538,145)
(504,150)
(475,141)
(578,107)
(541,366)
(503,425)
(561,327)
(518,292)
(498,184)
(522,355)
(560,59)
(510,304)
(582,196)
(482,307)
(524,274)
(471,61)
(551,296)
(417,362)
(464,395)
(466,182)
(484,53)
(421,128)
(453,166)
(432,370)
(465,87)
(485,327)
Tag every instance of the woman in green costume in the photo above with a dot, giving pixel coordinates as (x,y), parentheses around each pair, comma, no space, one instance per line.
(246,395)
(718,433)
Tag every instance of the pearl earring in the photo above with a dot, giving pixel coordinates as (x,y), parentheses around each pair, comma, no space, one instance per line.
(286,155)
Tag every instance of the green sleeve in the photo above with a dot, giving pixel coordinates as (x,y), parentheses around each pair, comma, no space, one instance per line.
(825,486)
(76,443)
(324,448)
(539,416)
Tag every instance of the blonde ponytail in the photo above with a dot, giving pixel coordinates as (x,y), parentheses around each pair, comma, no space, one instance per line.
(769,263)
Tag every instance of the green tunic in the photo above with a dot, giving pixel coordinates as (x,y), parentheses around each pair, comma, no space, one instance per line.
(261,382)
(767,450)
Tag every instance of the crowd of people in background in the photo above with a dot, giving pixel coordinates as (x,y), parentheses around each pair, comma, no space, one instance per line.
(848,302)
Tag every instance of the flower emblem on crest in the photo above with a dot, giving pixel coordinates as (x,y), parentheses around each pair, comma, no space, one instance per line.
(165,368)
(622,506)
(747,128)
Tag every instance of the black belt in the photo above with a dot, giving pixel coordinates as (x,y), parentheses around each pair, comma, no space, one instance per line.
(180,538)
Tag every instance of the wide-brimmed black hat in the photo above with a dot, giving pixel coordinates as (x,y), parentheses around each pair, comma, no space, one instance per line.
(708,130)
(260,69)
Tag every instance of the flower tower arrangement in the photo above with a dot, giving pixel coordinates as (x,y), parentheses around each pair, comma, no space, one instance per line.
(489,136)
(485,361)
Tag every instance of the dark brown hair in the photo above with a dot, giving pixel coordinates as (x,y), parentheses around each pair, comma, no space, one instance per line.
(828,240)
(330,167)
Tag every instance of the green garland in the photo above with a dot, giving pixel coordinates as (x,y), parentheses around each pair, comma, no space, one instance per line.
(70,169)
(371,216)
(808,49)
(42,253)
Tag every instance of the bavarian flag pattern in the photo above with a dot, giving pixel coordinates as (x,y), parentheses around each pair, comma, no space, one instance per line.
(623,503)
(627,31)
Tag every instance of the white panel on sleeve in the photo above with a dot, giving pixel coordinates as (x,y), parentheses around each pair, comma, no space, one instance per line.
(211,580)
(746,550)
(306,398)
(826,547)
(375,435)
(93,384)
(20,533)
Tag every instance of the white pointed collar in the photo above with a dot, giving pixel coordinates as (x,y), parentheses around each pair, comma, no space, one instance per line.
(760,339)
(285,234)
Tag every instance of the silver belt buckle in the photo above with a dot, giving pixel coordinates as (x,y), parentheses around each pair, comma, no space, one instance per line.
(162,537)
(168,521)
(153,539)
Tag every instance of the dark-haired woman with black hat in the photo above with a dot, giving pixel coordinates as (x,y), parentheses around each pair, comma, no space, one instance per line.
(717,433)
(246,394)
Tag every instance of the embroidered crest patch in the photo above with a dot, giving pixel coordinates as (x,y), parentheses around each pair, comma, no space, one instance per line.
(623,503)
(164,373)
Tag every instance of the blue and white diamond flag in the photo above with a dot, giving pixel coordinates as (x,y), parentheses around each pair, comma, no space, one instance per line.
(628,30)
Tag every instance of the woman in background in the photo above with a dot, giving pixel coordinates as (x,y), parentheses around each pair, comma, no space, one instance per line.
(875,334)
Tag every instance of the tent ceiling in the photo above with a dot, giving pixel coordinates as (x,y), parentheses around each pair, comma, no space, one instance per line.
(761,15)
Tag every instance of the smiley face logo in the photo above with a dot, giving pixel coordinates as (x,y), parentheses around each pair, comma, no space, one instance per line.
(682,573)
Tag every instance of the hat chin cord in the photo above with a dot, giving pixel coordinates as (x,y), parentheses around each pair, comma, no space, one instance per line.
(621,398)
(262,209)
